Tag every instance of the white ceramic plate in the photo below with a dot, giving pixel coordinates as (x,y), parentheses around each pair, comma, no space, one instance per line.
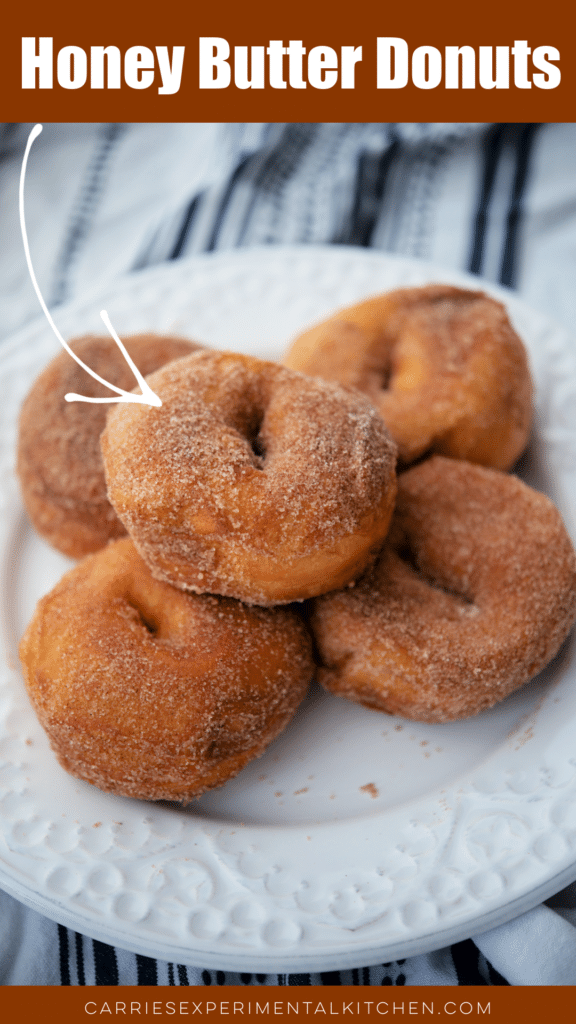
(358,837)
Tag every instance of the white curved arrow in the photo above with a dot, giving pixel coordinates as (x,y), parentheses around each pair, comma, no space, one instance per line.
(147,397)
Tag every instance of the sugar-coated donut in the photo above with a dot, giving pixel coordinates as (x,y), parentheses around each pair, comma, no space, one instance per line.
(251,480)
(443,366)
(473,594)
(151,693)
(59,458)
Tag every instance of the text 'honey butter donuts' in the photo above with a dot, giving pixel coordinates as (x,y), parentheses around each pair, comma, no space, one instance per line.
(151,693)
(59,458)
(472,595)
(443,366)
(251,480)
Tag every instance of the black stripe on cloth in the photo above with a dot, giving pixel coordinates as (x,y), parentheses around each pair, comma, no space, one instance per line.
(465,959)
(299,979)
(427,171)
(8,132)
(85,210)
(331,978)
(524,144)
(389,978)
(495,977)
(183,975)
(492,152)
(276,170)
(369,190)
(184,229)
(80,958)
(64,954)
(320,172)
(105,964)
(225,202)
(171,979)
(147,969)
(208,980)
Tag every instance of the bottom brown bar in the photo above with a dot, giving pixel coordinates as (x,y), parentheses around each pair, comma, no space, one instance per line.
(298,1003)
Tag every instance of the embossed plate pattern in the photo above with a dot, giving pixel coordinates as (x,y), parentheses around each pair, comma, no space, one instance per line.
(357,837)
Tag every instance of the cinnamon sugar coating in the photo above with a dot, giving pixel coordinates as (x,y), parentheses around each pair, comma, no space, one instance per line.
(151,693)
(251,480)
(443,366)
(59,459)
(472,595)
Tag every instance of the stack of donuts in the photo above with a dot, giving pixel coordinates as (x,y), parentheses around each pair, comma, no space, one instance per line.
(474,590)
(348,512)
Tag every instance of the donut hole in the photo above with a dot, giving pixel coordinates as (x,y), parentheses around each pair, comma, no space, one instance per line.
(253,434)
(141,617)
(257,445)
(410,558)
(383,377)
(379,370)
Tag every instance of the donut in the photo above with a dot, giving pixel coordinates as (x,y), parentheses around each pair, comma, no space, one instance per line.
(251,481)
(59,461)
(472,595)
(443,366)
(148,692)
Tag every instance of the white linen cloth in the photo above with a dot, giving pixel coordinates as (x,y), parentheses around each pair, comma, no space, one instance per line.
(102,200)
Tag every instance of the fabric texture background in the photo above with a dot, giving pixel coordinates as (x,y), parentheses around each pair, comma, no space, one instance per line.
(107,199)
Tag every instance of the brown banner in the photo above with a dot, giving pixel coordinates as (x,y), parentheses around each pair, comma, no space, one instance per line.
(497,1005)
(293,62)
